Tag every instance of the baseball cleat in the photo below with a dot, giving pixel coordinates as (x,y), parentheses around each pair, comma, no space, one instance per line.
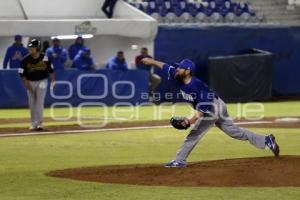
(175,164)
(273,146)
(36,128)
(32,128)
(39,128)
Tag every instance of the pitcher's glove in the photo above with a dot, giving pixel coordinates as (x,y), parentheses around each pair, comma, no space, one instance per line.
(181,123)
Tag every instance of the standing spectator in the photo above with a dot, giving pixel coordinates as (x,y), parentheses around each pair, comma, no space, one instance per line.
(108,7)
(15,54)
(154,78)
(46,45)
(76,47)
(34,71)
(57,54)
(117,62)
(84,60)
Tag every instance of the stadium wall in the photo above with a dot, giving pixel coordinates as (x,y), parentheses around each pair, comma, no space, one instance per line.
(76,88)
(199,43)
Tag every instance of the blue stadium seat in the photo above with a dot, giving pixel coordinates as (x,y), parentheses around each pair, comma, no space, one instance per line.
(245,17)
(230,17)
(226,8)
(162,10)
(184,11)
(216,17)
(209,9)
(200,7)
(182,5)
(151,8)
(239,9)
(168,4)
(185,17)
(219,3)
(177,11)
(170,17)
(200,17)
(192,10)
(159,2)
(156,16)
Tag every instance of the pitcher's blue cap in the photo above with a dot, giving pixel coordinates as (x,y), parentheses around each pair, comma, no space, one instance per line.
(187,64)
(18,37)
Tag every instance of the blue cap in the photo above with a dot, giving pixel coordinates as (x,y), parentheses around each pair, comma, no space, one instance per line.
(86,50)
(187,64)
(18,37)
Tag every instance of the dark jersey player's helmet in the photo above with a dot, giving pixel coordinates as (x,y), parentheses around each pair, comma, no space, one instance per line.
(34,43)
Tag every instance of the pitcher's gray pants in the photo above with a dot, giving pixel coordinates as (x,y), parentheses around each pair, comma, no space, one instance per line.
(36,101)
(222,120)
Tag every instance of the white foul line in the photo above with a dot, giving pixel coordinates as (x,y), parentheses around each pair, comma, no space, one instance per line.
(110,129)
(83,131)
(254,122)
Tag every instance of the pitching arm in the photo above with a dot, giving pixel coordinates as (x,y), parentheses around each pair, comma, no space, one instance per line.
(156,63)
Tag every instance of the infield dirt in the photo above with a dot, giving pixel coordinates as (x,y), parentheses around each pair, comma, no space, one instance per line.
(245,172)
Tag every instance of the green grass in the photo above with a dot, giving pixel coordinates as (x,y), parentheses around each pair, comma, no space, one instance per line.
(24,160)
(287,108)
(146,113)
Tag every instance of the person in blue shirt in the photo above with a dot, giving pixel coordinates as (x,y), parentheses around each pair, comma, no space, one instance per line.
(209,110)
(117,62)
(57,54)
(15,54)
(76,47)
(84,60)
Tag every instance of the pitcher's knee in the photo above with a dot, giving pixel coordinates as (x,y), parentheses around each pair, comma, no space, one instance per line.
(233,131)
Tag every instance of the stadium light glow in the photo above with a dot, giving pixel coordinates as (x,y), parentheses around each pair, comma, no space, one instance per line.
(72,37)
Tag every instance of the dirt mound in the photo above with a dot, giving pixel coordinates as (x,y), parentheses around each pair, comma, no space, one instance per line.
(261,172)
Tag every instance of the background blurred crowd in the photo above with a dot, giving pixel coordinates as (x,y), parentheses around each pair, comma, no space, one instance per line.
(80,57)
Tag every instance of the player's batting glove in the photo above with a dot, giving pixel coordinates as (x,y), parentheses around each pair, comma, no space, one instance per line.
(180,123)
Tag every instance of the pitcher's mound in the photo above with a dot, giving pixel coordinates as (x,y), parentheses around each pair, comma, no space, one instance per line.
(265,171)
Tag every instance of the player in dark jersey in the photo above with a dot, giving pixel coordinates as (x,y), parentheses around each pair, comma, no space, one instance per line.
(34,71)
(210,110)
(108,7)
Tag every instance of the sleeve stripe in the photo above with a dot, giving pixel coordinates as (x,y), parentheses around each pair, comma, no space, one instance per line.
(20,70)
(169,72)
